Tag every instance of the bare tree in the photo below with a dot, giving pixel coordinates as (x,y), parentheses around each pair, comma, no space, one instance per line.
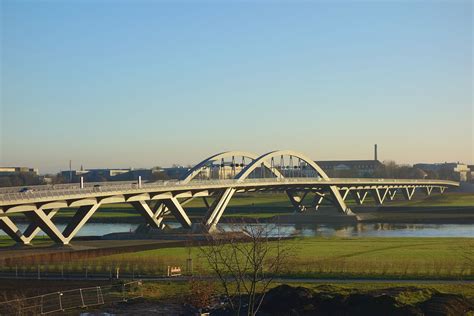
(246,264)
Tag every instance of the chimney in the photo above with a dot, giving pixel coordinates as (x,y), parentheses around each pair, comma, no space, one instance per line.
(375,152)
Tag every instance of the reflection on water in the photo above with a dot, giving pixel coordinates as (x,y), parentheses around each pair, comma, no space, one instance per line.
(91,229)
(376,230)
(366,230)
(323,230)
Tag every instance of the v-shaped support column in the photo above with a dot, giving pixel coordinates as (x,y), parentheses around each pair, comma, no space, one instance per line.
(392,193)
(380,195)
(408,193)
(318,200)
(217,208)
(339,201)
(12,230)
(212,209)
(33,229)
(428,190)
(43,221)
(296,200)
(359,196)
(345,193)
(177,210)
(153,217)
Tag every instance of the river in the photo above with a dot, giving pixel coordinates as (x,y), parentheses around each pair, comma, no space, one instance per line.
(323,230)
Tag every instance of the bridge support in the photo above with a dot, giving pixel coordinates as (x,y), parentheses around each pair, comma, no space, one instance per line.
(10,228)
(33,229)
(217,208)
(380,195)
(408,193)
(392,193)
(359,196)
(296,200)
(153,217)
(42,219)
(339,201)
(345,193)
(335,198)
(318,200)
(177,210)
(25,238)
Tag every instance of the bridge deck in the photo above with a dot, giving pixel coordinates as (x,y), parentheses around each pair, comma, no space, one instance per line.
(43,194)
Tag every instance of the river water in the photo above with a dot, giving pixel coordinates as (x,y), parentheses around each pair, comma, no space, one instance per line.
(324,230)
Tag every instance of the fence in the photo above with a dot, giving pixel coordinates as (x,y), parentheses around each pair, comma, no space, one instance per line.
(133,269)
(72,299)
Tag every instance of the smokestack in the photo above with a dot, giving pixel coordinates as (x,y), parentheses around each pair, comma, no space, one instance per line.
(375,152)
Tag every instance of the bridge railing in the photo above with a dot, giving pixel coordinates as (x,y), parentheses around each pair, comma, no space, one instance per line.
(129,187)
(47,187)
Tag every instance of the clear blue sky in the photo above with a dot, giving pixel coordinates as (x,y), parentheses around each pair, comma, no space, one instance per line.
(145,83)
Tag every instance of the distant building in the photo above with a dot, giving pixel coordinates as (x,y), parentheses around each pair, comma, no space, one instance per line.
(216,171)
(361,168)
(226,171)
(93,174)
(7,171)
(133,174)
(17,176)
(175,172)
(463,171)
(98,175)
(448,170)
(352,168)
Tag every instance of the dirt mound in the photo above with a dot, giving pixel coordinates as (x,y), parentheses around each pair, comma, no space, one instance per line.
(288,300)
(368,304)
(446,305)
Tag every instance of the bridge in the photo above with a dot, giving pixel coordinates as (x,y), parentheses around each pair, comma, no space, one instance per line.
(215,180)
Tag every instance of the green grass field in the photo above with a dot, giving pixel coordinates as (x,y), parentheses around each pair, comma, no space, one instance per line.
(450,258)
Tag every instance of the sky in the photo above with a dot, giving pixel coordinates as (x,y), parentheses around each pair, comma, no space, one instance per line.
(153,83)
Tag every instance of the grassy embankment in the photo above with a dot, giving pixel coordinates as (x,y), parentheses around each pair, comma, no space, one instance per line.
(391,258)
(340,257)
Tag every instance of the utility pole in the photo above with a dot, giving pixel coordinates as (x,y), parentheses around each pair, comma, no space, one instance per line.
(70,171)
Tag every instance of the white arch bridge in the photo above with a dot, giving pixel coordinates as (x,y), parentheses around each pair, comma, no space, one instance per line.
(216,180)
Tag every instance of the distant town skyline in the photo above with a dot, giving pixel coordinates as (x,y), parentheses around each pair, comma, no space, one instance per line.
(79,166)
(141,84)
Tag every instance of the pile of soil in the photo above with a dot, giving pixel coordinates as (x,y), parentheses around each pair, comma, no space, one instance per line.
(446,304)
(288,300)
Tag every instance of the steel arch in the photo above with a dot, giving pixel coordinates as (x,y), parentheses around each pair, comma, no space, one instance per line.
(339,201)
(193,172)
(264,159)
